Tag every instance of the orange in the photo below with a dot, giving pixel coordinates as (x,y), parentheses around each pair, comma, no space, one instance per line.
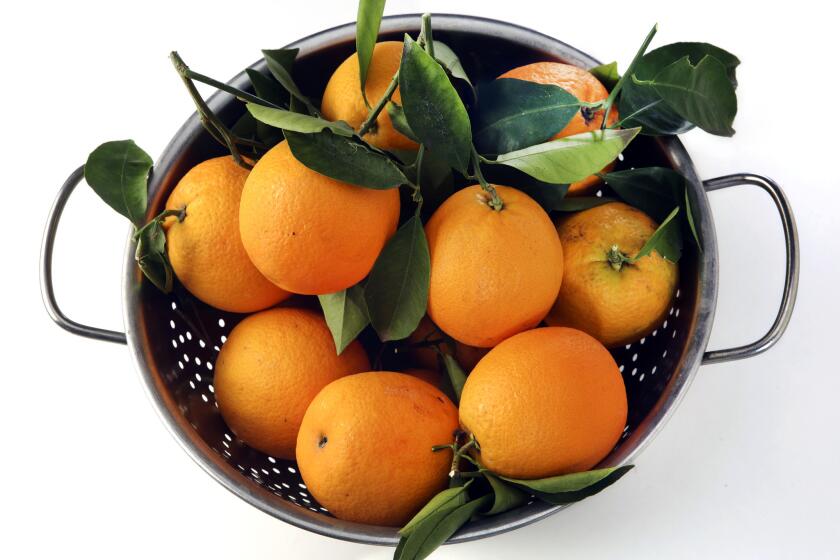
(494,273)
(615,304)
(365,446)
(269,370)
(427,357)
(343,99)
(582,85)
(310,234)
(205,249)
(545,402)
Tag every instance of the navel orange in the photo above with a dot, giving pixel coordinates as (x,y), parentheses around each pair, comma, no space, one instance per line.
(616,303)
(343,97)
(582,85)
(205,248)
(365,446)
(494,272)
(544,402)
(310,234)
(269,370)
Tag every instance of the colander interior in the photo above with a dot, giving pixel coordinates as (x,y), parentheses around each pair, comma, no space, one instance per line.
(177,338)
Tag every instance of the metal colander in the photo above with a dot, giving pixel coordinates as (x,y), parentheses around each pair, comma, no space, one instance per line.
(174,339)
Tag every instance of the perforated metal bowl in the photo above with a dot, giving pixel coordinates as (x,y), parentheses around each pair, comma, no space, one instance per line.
(174,339)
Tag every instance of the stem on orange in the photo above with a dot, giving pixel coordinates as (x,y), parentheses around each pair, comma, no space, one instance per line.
(616,258)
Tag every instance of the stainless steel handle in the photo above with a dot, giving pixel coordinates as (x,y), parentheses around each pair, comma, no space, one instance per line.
(791,268)
(47,291)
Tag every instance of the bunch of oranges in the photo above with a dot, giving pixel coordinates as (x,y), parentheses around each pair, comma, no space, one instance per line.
(538,401)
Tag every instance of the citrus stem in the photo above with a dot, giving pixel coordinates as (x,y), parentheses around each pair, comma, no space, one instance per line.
(639,54)
(236,92)
(180,213)
(426,34)
(209,120)
(386,97)
(616,258)
(495,202)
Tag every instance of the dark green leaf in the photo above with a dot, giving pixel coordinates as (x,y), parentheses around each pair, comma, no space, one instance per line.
(117,171)
(443,502)
(267,88)
(456,374)
(435,180)
(280,63)
(547,195)
(437,528)
(701,94)
(296,122)
(397,115)
(653,190)
(345,159)
(449,60)
(572,158)
(513,114)
(666,240)
(346,315)
(569,488)
(150,255)
(397,289)
(432,107)
(607,74)
(505,496)
(660,118)
(578,203)
(368,19)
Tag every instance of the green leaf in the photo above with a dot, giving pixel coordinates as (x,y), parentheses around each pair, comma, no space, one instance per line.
(280,63)
(150,255)
(569,488)
(456,374)
(267,88)
(689,214)
(607,74)
(660,118)
(437,528)
(443,502)
(513,114)
(346,315)
(432,107)
(296,122)
(701,94)
(572,158)
(666,240)
(449,60)
(345,159)
(578,203)
(653,190)
(397,115)
(505,496)
(368,19)
(435,180)
(397,289)
(117,171)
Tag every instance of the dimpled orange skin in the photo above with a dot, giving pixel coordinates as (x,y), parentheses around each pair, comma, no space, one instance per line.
(269,370)
(494,273)
(545,402)
(364,449)
(427,357)
(582,85)
(342,100)
(310,234)
(615,306)
(205,249)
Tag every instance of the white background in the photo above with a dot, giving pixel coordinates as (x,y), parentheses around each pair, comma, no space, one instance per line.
(747,468)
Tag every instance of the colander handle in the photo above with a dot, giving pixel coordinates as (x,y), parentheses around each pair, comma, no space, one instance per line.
(47,291)
(791,268)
